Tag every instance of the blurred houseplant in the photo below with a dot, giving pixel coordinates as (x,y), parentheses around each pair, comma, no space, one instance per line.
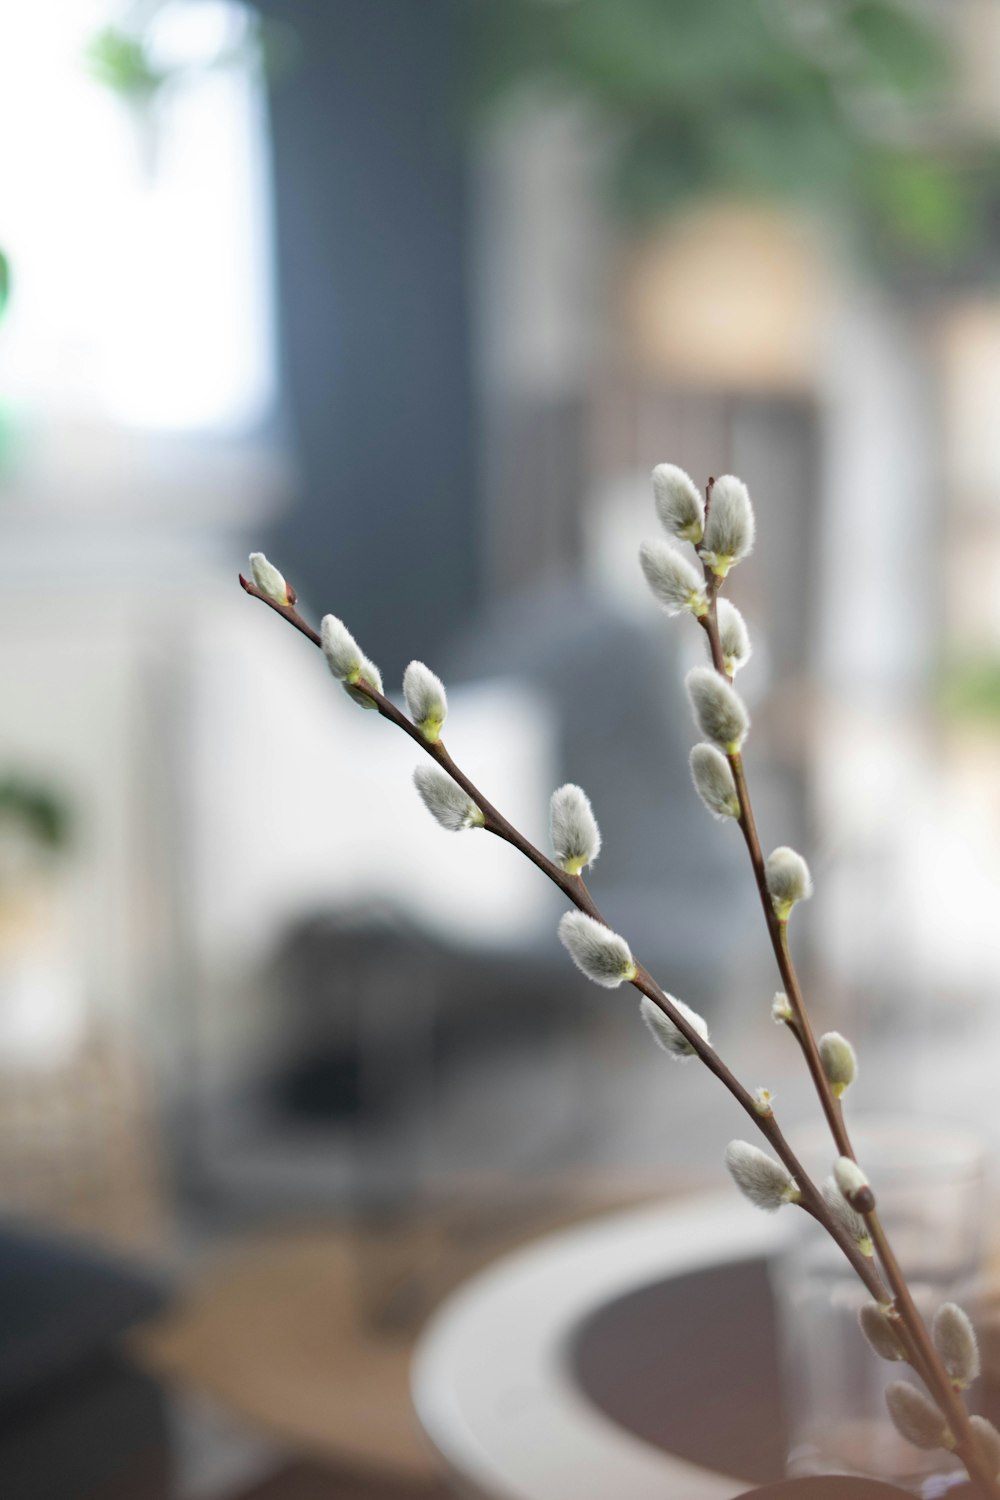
(748,152)
(40,999)
(720,529)
(838,106)
(137,58)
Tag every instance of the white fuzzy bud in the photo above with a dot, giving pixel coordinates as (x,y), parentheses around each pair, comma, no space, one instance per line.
(678,502)
(854,1185)
(839,1061)
(445,800)
(759,1177)
(342,652)
(781,1009)
(788,880)
(597,951)
(988,1442)
(847,1217)
(880,1333)
(915,1416)
(729,527)
(576,837)
(675,582)
(734,638)
(426,700)
(763,1101)
(269,580)
(367,672)
(955,1341)
(713,781)
(665,1033)
(719,711)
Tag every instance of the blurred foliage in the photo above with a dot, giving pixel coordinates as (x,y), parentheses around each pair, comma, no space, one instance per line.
(122,56)
(120,61)
(4,282)
(38,809)
(837,103)
(970,690)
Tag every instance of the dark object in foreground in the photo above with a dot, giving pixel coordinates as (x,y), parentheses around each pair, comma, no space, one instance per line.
(77,1419)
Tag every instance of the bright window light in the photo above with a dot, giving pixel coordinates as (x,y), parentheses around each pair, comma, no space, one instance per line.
(138,240)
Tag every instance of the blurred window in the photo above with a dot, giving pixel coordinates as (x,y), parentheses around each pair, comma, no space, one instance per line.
(134,213)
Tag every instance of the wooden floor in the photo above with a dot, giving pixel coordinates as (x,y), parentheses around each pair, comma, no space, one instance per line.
(307,1334)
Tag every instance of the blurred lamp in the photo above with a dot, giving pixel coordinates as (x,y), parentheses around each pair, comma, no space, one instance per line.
(728,297)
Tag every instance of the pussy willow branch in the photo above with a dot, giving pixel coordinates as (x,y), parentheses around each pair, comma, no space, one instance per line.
(575,890)
(909,1324)
(811,1200)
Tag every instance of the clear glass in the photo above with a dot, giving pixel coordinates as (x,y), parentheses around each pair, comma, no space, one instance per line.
(929,1179)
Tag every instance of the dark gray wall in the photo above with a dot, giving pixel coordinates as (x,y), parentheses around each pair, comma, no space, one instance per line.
(370,203)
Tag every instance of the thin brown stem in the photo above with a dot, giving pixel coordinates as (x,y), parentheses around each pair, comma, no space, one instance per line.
(920,1348)
(929,1365)
(811,1200)
(575,889)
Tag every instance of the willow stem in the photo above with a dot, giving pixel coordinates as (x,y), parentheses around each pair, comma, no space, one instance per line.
(920,1347)
(575,890)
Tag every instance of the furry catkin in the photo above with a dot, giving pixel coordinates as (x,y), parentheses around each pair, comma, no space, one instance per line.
(674,582)
(880,1333)
(678,502)
(729,526)
(367,672)
(955,1341)
(713,781)
(576,838)
(426,700)
(445,800)
(268,579)
(665,1033)
(915,1416)
(839,1061)
(718,709)
(788,879)
(597,951)
(847,1217)
(342,652)
(759,1177)
(734,638)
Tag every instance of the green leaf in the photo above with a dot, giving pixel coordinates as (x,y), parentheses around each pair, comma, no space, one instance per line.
(38,808)
(119,60)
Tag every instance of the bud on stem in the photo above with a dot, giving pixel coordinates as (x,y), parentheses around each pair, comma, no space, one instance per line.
(718,709)
(270,581)
(426,700)
(788,880)
(674,582)
(881,1335)
(665,1033)
(678,502)
(759,1177)
(854,1185)
(576,838)
(597,951)
(955,1341)
(915,1416)
(729,527)
(839,1062)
